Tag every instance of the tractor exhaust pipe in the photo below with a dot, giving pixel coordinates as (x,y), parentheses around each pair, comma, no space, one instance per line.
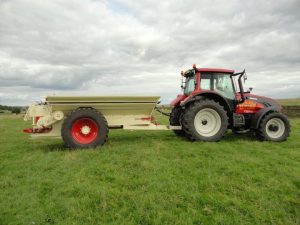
(241,74)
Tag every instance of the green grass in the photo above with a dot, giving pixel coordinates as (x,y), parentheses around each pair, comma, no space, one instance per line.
(289,101)
(148,177)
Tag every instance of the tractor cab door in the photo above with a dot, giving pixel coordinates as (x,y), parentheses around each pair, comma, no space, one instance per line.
(224,86)
(220,83)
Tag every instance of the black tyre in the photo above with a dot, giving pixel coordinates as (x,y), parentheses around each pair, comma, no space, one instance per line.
(205,120)
(84,128)
(175,118)
(274,127)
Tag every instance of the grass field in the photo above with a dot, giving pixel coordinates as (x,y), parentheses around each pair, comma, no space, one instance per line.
(146,178)
(289,101)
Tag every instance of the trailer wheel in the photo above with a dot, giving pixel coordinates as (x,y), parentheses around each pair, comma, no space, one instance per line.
(274,127)
(175,118)
(84,128)
(205,120)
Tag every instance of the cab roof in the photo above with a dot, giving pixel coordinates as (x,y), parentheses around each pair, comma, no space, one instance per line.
(214,70)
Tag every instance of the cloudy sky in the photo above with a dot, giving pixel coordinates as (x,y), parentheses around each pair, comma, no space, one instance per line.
(130,47)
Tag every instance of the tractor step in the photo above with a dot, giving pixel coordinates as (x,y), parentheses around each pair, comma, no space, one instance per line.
(238,120)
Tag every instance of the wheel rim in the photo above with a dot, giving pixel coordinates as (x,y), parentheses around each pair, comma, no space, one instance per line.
(84,130)
(207,122)
(275,128)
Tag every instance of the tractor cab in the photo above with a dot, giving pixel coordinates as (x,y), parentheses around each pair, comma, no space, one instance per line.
(215,98)
(221,81)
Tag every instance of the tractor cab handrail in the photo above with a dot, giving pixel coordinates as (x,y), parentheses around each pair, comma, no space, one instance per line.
(240,73)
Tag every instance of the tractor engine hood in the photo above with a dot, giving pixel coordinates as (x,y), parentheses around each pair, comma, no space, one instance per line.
(266,102)
(254,103)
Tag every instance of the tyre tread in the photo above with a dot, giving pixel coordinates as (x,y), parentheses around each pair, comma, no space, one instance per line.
(175,120)
(68,119)
(188,119)
(260,134)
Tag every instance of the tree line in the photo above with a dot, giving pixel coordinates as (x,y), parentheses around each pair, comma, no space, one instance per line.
(12,109)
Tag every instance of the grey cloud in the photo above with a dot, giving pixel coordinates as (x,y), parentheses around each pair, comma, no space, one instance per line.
(139,47)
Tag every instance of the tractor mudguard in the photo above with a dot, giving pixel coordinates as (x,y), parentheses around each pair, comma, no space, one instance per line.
(260,114)
(177,100)
(211,95)
(190,99)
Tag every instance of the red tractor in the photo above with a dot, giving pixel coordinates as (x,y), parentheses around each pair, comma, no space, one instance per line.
(214,100)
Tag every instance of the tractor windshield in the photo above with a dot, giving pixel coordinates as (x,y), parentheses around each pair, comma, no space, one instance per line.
(189,85)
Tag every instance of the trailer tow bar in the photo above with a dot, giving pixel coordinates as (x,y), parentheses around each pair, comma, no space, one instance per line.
(163,113)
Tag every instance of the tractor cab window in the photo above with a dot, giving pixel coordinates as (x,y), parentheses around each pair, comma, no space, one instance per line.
(205,83)
(189,85)
(218,82)
(223,84)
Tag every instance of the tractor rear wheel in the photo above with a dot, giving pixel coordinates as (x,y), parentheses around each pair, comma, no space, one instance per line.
(205,120)
(84,128)
(274,127)
(175,118)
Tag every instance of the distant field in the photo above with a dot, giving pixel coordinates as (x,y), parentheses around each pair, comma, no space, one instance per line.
(289,102)
(4,112)
(142,177)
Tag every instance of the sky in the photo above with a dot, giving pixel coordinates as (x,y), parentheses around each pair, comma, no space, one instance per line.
(130,47)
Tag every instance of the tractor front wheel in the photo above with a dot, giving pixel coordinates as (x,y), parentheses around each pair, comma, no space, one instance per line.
(205,120)
(274,127)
